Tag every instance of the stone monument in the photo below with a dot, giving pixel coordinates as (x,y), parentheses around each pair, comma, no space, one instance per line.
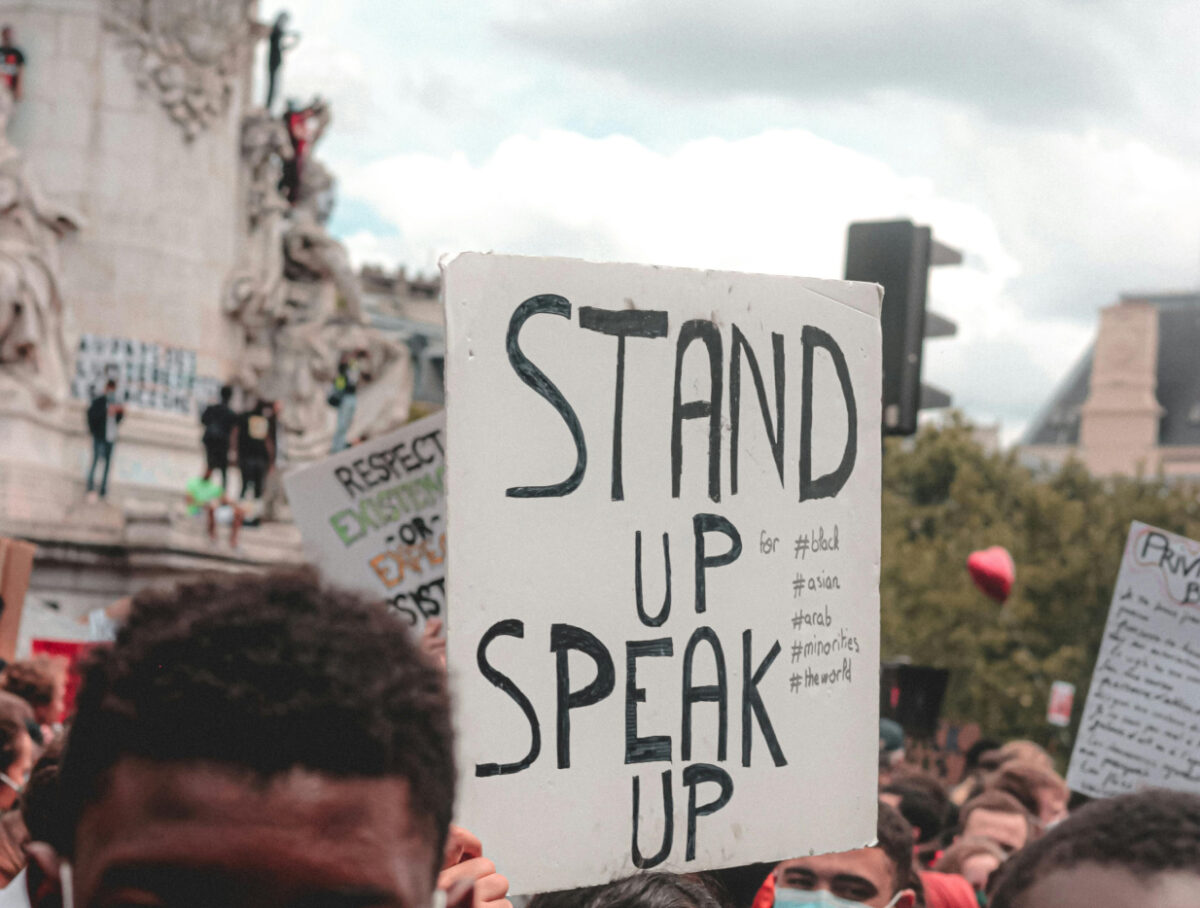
(144,237)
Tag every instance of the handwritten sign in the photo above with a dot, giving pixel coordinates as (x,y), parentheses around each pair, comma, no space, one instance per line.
(373,517)
(664,488)
(1141,722)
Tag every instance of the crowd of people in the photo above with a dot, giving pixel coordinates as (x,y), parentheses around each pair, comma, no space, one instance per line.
(248,439)
(270,740)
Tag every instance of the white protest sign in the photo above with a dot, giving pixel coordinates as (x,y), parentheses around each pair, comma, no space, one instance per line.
(373,517)
(664,489)
(1141,722)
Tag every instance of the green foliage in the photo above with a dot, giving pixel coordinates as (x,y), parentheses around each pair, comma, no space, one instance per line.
(945,497)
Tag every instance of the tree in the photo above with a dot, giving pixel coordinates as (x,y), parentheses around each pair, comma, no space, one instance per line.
(944,497)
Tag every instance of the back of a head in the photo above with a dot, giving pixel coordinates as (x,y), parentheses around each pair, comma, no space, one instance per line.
(1148,833)
(977,750)
(18,709)
(15,708)
(953,858)
(1026,752)
(895,839)
(991,799)
(1023,780)
(923,801)
(656,890)
(226,394)
(264,674)
(40,803)
(12,734)
(36,680)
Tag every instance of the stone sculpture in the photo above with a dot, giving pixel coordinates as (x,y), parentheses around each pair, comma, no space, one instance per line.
(33,347)
(189,52)
(297,300)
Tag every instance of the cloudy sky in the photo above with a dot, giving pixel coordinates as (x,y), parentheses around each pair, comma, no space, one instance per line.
(1056,142)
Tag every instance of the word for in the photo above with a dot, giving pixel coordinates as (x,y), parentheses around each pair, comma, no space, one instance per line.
(641,746)
(381,467)
(767,544)
(387,506)
(653,325)
(815,542)
(813,584)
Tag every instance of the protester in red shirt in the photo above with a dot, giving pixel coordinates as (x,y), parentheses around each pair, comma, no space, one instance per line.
(12,63)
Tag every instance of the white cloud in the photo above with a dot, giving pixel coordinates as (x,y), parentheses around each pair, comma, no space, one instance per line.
(778,202)
(1053,141)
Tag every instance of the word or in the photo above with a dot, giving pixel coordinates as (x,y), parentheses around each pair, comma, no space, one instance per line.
(653,324)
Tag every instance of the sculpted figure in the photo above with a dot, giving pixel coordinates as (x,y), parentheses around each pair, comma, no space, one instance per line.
(33,348)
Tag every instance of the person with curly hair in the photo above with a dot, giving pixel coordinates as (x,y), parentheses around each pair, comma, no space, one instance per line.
(259,741)
(974,858)
(1133,850)
(42,683)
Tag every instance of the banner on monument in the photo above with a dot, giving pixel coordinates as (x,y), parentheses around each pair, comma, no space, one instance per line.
(665,491)
(373,517)
(1141,723)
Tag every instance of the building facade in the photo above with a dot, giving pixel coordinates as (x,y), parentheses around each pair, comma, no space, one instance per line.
(1132,402)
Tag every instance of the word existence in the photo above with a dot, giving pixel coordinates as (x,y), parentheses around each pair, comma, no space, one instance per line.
(373,517)
(1141,722)
(616,646)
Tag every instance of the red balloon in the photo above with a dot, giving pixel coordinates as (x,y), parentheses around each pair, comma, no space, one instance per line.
(993,571)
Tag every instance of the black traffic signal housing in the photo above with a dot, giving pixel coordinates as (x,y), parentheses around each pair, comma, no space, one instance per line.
(898,255)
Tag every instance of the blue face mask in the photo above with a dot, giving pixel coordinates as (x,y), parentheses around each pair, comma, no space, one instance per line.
(818,898)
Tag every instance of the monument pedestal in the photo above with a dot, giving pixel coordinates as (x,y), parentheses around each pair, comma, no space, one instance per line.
(126,156)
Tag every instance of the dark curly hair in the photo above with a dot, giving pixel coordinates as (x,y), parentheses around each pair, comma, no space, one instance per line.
(1145,833)
(36,680)
(652,889)
(657,890)
(264,673)
(895,837)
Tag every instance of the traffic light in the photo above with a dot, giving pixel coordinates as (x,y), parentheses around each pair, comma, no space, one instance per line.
(898,255)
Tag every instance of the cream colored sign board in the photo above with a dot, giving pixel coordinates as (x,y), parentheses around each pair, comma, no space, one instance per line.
(664,492)
(373,518)
(1141,723)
